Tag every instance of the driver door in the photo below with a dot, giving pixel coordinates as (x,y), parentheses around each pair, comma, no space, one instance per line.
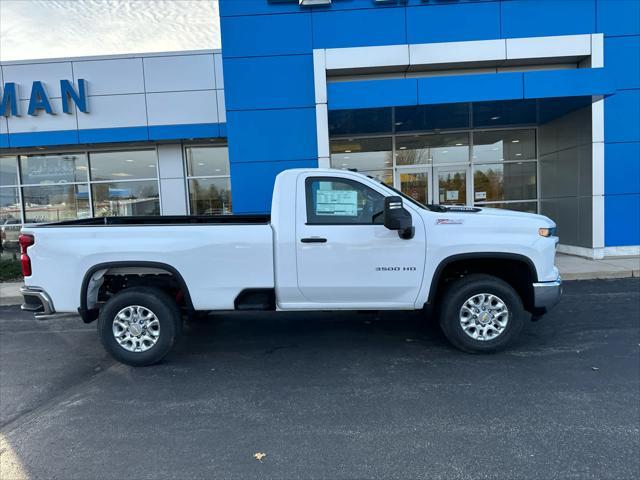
(346,257)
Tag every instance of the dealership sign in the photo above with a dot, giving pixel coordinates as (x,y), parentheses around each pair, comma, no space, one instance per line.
(39,100)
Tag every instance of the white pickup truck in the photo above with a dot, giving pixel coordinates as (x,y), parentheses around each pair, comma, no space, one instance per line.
(335,240)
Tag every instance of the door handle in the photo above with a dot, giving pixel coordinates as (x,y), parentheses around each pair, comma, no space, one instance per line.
(313,240)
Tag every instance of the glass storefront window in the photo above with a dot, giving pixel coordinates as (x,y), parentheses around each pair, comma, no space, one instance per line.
(385,176)
(208,180)
(54,203)
(416,185)
(452,186)
(360,121)
(433,148)
(504,145)
(119,199)
(210,196)
(425,118)
(52,169)
(528,207)
(363,154)
(508,181)
(8,171)
(129,165)
(9,203)
(207,161)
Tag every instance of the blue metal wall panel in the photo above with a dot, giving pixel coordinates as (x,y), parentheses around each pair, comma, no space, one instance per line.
(619,17)
(533,18)
(250,36)
(621,226)
(258,147)
(373,93)
(567,83)
(356,28)
(622,60)
(438,22)
(4,140)
(37,139)
(622,162)
(106,135)
(269,82)
(470,88)
(252,183)
(622,117)
(271,135)
(256,7)
(356,4)
(178,132)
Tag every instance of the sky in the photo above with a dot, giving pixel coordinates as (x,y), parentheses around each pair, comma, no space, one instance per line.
(34,29)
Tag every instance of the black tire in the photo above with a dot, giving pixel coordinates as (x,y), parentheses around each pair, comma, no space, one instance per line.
(163,307)
(463,289)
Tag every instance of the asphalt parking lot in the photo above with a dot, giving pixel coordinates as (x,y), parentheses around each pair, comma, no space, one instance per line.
(330,396)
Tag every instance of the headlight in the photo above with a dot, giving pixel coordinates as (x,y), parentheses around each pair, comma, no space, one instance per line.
(547,232)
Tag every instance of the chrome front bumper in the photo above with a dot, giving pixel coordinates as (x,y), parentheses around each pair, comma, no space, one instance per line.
(36,300)
(547,294)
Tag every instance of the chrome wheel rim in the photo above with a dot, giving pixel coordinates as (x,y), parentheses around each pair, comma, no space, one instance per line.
(484,317)
(136,328)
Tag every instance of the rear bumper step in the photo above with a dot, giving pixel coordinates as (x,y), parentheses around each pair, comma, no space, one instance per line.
(36,300)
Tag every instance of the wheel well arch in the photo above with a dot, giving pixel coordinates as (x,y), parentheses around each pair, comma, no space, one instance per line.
(142,268)
(517,270)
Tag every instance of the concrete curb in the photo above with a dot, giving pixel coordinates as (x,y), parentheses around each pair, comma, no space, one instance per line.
(5,302)
(600,275)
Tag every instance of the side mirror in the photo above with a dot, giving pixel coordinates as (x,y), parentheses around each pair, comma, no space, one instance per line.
(397,218)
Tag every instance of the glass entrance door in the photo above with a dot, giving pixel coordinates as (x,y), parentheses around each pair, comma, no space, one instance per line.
(415,182)
(451,185)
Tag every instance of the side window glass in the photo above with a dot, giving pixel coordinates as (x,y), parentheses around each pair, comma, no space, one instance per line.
(342,201)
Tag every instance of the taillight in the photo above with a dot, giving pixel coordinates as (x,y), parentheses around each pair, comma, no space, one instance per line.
(25,242)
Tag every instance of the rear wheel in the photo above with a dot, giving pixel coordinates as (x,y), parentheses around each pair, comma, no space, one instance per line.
(139,326)
(481,313)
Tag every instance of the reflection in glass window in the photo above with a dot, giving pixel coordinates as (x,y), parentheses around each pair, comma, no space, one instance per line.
(509,181)
(8,171)
(127,165)
(50,169)
(54,203)
(9,204)
(360,121)
(504,145)
(452,186)
(119,199)
(415,185)
(208,180)
(363,154)
(435,148)
(528,207)
(385,176)
(207,161)
(425,118)
(210,196)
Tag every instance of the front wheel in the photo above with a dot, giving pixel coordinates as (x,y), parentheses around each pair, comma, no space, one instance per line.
(139,326)
(481,313)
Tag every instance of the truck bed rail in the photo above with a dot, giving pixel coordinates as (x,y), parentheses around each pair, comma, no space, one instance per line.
(163,220)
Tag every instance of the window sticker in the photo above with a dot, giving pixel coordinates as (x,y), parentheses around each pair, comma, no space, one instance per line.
(481,195)
(338,203)
(452,195)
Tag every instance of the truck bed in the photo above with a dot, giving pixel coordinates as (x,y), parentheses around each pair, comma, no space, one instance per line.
(165,220)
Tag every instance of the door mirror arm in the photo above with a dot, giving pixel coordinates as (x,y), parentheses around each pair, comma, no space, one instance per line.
(397,218)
